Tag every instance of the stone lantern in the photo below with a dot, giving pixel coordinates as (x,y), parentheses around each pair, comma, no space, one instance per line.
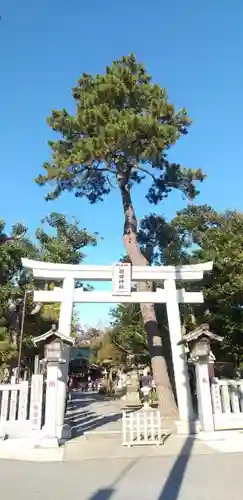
(56,353)
(199,341)
(54,345)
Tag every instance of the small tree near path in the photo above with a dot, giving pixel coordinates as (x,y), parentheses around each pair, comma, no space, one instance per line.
(120,134)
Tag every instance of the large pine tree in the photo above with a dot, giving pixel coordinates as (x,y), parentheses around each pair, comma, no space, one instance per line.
(120,134)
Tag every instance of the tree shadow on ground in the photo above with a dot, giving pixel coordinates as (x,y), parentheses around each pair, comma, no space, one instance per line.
(82,419)
(172,486)
(106,493)
(103,494)
(90,420)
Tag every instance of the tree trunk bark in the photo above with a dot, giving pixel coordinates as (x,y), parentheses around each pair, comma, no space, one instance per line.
(165,394)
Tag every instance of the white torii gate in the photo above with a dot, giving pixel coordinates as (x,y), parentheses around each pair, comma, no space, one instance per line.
(122,277)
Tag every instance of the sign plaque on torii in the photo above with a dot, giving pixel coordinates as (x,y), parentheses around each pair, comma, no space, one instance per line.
(122,277)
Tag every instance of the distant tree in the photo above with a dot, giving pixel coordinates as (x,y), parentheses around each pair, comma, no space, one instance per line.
(64,244)
(19,231)
(12,249)
(103,349)
(218,236)
(196,234)
(127,329)
(121,132)
(199,234)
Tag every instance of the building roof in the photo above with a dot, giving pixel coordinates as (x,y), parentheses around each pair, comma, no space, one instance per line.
(200,331)
(53,333)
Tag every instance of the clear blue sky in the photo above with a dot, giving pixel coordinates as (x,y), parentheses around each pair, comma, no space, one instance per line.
(194,49)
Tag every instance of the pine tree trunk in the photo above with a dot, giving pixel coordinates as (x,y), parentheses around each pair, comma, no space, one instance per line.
(165,394)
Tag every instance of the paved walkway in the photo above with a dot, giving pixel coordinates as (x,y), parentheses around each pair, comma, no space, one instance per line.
(96,429)
(99,468)
(186,477)
(80,449)
(89,412)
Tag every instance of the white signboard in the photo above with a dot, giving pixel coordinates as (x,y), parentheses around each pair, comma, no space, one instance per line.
(121,279)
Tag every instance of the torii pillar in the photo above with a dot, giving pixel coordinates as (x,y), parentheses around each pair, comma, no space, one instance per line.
(65,328)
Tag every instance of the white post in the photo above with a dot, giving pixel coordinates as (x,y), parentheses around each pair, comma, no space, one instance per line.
(36,400)
(49,429)
(13,378)
(64,327)
(183,392)
(205,409)
(37,364)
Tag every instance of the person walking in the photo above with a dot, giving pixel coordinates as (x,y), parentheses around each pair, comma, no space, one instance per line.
(70,387)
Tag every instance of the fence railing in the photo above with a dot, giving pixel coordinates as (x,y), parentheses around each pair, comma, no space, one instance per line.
(227,396)
(142,428)
(21,407)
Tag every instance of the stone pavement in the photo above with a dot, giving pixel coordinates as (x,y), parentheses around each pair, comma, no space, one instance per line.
(99,421)
(186,477)
(94,467)
(89,412)
(80,449)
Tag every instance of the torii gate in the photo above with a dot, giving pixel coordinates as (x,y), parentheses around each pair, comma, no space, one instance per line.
(123,276)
